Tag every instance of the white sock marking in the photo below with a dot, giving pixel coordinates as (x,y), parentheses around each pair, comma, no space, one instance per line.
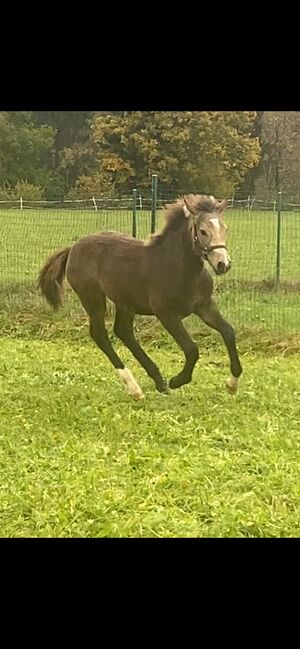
(131,384)
(232,384)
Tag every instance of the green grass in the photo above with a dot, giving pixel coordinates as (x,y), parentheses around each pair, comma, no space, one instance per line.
(252,244)
(28,236)
(246,295)
(79,458)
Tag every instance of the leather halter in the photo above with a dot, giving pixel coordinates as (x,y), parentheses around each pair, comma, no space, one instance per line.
(206,249)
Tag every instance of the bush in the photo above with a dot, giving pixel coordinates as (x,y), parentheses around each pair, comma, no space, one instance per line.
(22,189)
(54,188)
(88,186)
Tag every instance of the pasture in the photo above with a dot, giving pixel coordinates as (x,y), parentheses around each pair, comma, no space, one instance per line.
(245,295)
(28,236)
(80,458)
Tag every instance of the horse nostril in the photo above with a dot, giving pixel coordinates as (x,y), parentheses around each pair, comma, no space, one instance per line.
(221,267)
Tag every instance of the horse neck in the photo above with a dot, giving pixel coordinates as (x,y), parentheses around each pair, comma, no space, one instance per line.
(178,246)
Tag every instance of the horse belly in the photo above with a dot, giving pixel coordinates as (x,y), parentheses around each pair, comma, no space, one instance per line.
(132,296)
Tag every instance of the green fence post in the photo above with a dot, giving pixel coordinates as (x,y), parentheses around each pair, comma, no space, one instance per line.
(153,202)
(278,238)
(134,196)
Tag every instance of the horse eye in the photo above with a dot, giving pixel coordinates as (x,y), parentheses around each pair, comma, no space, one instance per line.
(203,233)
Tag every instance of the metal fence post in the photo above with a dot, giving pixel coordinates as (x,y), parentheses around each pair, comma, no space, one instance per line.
(278,237)
(134,196)
(153,202)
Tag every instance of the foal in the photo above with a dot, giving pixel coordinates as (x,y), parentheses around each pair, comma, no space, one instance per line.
(164,276)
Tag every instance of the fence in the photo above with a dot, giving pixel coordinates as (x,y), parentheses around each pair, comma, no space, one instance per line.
(262,288)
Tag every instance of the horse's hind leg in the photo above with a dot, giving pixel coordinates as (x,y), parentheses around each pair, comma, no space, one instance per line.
(124,330)
(211,315)
(96,312)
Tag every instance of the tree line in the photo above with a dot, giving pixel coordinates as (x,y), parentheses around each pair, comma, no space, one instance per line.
(80,154)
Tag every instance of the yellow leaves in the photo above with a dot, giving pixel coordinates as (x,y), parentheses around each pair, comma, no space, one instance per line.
(114,163)
(67,158)
(189,148)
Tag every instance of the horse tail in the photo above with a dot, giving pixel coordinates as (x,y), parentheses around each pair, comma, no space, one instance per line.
(51,277)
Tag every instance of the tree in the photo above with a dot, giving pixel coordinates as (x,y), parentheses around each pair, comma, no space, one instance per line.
(26,151)
(224,150)
(247,187)
(113,152)
(70,126)
(280,161)
(208,151)
(72,133)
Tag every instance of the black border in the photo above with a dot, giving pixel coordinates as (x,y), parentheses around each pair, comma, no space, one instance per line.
(155,62)
(211,56)
(133,586)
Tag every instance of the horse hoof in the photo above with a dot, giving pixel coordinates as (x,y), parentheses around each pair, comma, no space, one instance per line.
(132,386)
(176,382)
(232,385)
(138,396)
(164,387)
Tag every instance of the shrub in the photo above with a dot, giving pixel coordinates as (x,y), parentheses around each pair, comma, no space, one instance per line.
(22,188)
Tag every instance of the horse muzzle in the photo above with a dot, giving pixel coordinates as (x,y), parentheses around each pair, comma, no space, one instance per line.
(218,258)
(222,268)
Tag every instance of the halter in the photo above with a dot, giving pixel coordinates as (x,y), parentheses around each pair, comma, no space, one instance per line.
(206,249)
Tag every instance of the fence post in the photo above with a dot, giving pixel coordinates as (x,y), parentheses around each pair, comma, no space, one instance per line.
(153,202)
(278,237)
(21,202)
(95,204)
(134,196)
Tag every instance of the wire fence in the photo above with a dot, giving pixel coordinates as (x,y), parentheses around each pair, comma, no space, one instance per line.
(262,288)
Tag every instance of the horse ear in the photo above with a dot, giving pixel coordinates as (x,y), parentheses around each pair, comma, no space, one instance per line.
(188,206)
(222,205)
(186,210)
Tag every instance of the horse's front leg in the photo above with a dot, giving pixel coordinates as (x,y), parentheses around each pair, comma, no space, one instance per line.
(211,315)
(175,327)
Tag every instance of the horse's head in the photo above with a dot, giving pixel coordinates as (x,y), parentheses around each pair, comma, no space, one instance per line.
(208,230)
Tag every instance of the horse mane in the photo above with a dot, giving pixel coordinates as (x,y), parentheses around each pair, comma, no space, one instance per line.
(174,215)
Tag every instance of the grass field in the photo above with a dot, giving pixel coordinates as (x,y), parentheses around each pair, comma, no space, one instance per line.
(79,458)
(28,236)
(246,295)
